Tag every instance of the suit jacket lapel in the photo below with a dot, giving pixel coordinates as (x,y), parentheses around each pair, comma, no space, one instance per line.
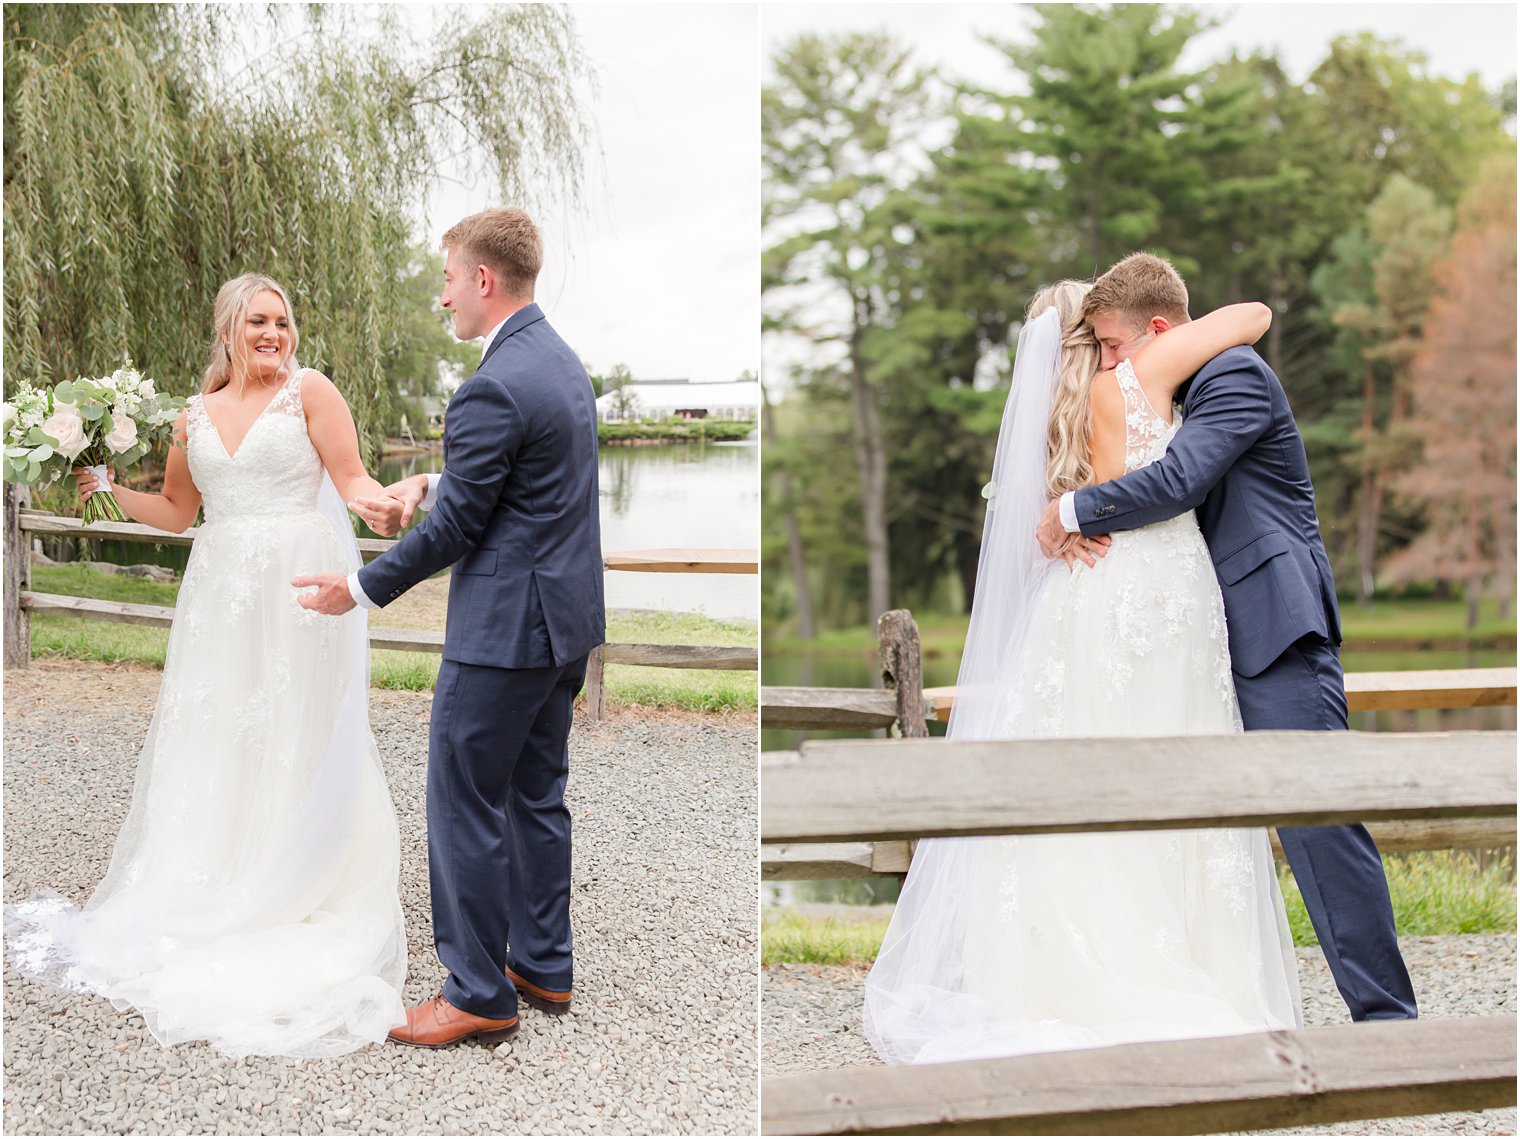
(520,319)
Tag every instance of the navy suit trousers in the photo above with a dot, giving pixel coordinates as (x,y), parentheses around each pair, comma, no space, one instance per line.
(499,831)
(1337,868)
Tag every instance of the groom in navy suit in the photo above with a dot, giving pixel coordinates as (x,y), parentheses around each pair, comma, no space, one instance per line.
(515,515)
(1238,459)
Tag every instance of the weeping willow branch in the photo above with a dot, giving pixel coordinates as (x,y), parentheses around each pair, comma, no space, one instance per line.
(145,165)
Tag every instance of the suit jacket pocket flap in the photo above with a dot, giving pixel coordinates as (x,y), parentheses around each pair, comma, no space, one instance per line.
(1234,566)
(480,561)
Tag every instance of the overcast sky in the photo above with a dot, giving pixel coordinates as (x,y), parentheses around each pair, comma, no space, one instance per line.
(1458,39)
(661,268)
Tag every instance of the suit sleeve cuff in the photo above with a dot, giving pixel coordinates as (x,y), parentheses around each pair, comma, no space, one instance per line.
(361,599)
(432,492)
(1068,510)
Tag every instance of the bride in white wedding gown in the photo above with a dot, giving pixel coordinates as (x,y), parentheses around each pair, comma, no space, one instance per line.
(1006,945)
(251,900)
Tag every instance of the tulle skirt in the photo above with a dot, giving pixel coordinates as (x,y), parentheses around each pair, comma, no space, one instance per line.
(251,900)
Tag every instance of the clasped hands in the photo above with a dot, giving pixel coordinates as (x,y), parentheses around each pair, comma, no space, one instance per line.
(387,514)
(1058,542)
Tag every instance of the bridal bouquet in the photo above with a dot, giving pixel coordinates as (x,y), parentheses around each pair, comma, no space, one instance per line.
(116,419)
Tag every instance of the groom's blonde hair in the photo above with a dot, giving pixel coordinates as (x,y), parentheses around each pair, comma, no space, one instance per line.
(506,241)
(1137,288)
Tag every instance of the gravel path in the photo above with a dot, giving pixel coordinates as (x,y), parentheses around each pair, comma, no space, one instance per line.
(662,1036)
(811,1018)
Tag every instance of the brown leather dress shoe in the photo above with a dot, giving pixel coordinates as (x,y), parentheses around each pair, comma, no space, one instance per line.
(437,1024)
(554,1003)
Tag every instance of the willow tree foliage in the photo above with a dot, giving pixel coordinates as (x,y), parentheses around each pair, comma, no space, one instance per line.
(154,151)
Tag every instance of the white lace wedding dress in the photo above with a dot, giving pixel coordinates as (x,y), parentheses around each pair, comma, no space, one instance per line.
(252,898)
(1007,945)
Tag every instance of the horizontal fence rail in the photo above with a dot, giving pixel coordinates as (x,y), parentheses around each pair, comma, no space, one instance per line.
(843,796)
(875,790)
(1293,1078)
(867,709)
(793,862)
(22,601)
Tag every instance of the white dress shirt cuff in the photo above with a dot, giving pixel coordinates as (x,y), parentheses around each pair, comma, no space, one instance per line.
(432,493)
(361,599)
(1068,510)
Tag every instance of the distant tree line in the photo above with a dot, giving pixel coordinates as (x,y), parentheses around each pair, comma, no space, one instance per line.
(1372,206)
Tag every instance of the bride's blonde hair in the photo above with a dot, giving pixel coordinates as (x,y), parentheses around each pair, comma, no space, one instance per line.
(228,314)
(1069,442)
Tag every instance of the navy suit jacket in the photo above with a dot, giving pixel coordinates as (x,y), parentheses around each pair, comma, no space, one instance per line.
(516,512)
(1239,460)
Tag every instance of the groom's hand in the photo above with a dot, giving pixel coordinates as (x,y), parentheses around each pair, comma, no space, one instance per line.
(1052,536)
(332,596)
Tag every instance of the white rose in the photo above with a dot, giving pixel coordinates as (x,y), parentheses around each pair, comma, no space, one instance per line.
(123,436)
(7,416)
(67,427)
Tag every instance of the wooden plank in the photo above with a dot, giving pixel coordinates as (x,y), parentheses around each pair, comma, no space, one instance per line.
(122,612)
(685,656)
(18,562)
(890,859)
(1308,1076)
(845,709)
(1378,691)
(686,560)
(1404,835)
(596,684)
(645,561)
(799,861)
(870,790)
(1433,688)
(42,522)
(407,640)
(902,671)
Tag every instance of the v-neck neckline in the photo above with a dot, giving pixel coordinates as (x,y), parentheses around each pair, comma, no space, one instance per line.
(232,455)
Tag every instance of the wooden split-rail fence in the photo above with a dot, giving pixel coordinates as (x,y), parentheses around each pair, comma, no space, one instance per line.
(21,601)
(905,708)
(838,804)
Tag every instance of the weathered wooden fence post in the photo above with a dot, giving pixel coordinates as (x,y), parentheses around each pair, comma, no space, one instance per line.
(596,703)
(18,577)
(902,671)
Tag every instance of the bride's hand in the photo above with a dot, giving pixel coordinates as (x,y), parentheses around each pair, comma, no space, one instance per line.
(89,484)
(1080,547)
(383,515)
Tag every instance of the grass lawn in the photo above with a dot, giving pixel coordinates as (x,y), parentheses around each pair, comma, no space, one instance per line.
(1434,892)
(703,690)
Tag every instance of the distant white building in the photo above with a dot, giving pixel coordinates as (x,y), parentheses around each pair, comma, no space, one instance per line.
(681,399)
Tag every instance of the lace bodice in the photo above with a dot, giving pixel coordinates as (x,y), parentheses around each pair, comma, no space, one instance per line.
(275,470)
(1146,433)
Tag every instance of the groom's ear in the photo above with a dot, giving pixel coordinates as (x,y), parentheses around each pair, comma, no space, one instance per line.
(1158,324)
